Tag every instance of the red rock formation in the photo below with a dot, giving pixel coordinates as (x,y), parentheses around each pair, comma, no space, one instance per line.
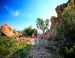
(8,31)
(51,33)
(59,9)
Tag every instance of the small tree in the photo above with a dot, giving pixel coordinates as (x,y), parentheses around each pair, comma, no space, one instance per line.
(28,31)
(41,24)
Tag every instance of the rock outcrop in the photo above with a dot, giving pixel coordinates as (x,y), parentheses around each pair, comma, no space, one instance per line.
(8,31)
(51,33)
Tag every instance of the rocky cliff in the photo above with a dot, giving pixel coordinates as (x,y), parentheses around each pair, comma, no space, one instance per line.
(51,33)
(8,31)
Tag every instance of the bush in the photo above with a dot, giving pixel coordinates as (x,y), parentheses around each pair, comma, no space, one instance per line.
(21,53)
(7,46)
(28,31)
(0,32)
(10,49)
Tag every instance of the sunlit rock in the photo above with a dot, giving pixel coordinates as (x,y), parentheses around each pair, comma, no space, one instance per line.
(8,31)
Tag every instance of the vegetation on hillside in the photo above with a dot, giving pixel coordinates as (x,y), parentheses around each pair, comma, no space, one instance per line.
(9,48)
(63,45)
(67,31)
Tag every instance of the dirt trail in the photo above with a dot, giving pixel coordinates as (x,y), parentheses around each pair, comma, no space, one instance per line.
(40,52)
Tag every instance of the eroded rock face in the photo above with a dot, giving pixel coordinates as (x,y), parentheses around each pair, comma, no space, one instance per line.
(59,9)
(51,34)
(8,31)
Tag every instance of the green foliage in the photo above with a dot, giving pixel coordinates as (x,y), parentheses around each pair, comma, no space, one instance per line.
(68,51)
(43,25)
(28,31)
(7,46)
(0,32)
(58,29)
(10,49)
(21,53)
(68,21)
(67,29)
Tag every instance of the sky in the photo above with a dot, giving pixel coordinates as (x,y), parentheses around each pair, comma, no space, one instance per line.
(20,14)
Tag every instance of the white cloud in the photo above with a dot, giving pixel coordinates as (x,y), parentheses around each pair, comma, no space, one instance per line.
(16,13)
(12,12)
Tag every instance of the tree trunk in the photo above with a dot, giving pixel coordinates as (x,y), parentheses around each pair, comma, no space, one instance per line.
(43,31)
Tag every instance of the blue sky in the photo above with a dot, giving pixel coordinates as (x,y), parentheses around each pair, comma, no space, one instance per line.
(20,14)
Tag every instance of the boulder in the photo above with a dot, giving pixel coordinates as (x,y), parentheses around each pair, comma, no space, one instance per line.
(8,31)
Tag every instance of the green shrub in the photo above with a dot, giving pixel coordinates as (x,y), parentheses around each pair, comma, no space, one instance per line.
(7,46)
(67,30)
(0,32)
(10,49)
(28,31)
(21,53)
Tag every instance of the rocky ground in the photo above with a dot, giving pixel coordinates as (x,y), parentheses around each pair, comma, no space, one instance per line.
(40,52)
